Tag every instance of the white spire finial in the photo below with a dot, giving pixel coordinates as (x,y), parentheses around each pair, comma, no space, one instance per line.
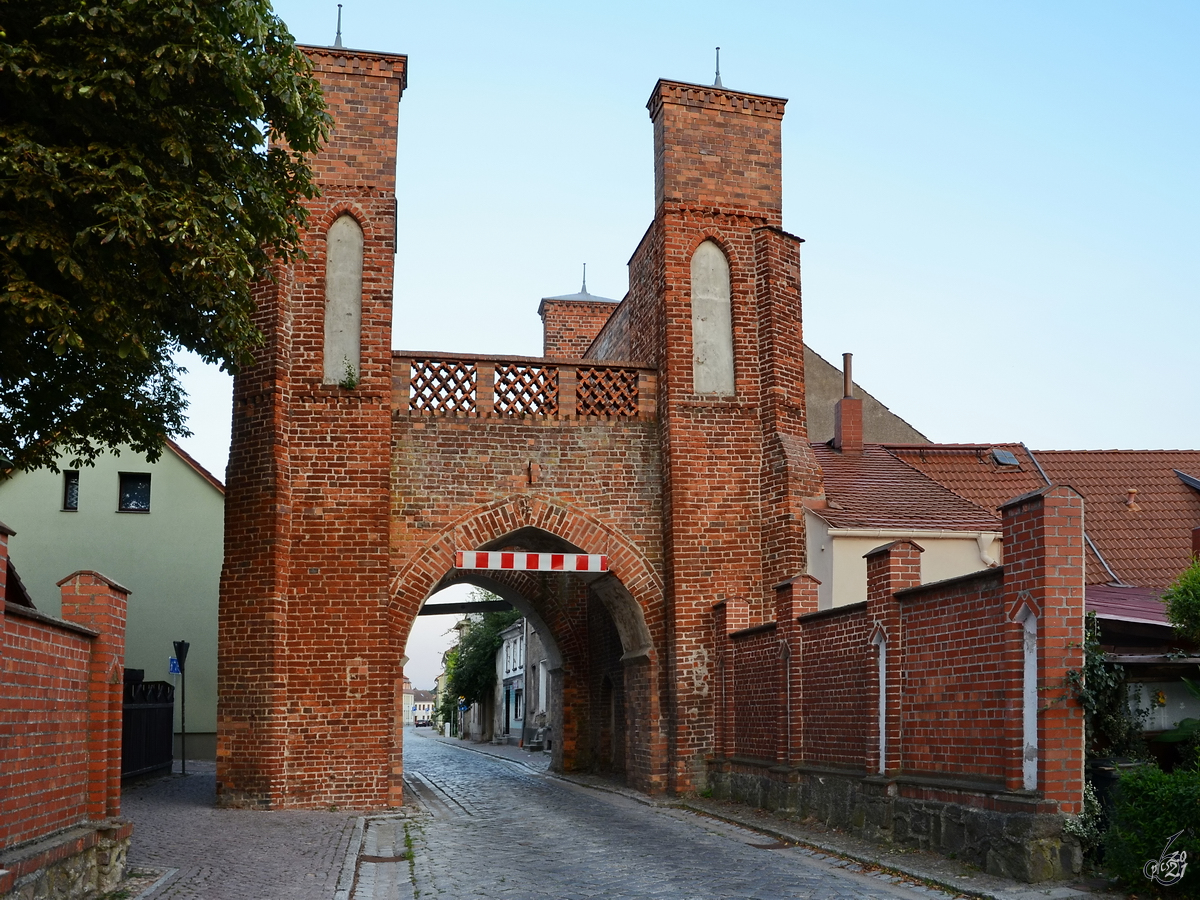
(717,83)
(337,41)
(584,291)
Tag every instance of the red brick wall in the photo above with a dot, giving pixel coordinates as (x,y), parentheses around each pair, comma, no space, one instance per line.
(837,665)
(60,710)
(960,679)
(955,678)
(756,665)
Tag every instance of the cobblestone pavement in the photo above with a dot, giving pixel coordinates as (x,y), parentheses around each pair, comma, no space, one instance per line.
(484,821)
(231,854)
(486,828)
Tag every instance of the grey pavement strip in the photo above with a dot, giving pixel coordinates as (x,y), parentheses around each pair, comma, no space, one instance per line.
(345,882)
(162,879)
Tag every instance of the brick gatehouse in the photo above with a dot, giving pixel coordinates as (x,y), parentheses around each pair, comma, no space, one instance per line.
(667,432)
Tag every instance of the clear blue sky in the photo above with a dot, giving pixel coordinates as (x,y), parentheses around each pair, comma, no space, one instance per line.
(1001,201)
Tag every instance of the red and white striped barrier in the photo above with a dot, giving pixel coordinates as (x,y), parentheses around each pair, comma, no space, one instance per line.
(530,562)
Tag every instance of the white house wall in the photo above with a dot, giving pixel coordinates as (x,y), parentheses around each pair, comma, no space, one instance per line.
(836,557)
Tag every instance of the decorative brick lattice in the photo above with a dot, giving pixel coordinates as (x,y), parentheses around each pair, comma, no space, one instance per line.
(607,392)
(441,386)
(526,390)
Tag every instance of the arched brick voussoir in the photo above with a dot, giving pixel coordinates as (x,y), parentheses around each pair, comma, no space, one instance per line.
(334,209)
(630,574)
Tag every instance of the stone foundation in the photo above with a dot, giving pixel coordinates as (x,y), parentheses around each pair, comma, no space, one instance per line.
(1010,834)
(77,862)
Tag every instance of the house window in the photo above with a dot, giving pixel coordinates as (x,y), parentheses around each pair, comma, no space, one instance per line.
(71,490)
(135,492)
(518,704)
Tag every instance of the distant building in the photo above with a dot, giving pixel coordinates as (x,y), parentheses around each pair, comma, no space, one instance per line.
(510,685)
(156,528)
(422,706)
(406,701)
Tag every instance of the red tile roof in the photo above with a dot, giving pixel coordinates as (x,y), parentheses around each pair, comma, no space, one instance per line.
(1148,545)
(970,471)
(878,490)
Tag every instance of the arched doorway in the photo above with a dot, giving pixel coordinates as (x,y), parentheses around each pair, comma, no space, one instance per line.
(600,671)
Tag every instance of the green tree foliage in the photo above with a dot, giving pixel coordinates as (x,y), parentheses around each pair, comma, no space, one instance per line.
(474,673)
(1183,603)
(138,202)
(1151,807)
(1111,728)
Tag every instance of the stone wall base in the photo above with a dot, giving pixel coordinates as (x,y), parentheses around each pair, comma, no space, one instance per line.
(87,859)
(1010,834)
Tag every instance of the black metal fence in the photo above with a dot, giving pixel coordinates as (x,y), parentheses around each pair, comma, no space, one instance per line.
(149,718)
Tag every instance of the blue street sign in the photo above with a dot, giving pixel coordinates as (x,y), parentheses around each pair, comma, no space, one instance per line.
(173,664)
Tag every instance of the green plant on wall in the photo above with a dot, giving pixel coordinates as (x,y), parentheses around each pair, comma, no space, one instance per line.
(350,379)
(1112,727)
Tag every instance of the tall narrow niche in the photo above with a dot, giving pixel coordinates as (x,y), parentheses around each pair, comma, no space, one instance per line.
(712,322)
(343,301)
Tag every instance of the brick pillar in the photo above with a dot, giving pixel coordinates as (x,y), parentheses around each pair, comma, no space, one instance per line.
(890,568)
(98,603)
(5,534)
(730,616)
(1044,573)
(793,598)
(790,472)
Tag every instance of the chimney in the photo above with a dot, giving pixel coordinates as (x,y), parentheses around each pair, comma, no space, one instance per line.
(847,414)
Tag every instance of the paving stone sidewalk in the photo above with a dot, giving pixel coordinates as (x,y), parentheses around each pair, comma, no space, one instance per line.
(205,853)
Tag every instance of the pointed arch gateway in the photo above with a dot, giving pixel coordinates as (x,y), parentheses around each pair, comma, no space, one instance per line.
(594,627)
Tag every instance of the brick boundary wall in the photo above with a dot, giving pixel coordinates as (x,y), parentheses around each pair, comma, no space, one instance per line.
(60,739)
(949,776)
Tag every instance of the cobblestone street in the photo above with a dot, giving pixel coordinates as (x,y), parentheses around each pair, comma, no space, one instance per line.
(485,821)
(486,827)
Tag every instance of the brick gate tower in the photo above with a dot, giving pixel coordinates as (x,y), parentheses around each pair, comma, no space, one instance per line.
(304,717)
(674,447)
(714,306)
